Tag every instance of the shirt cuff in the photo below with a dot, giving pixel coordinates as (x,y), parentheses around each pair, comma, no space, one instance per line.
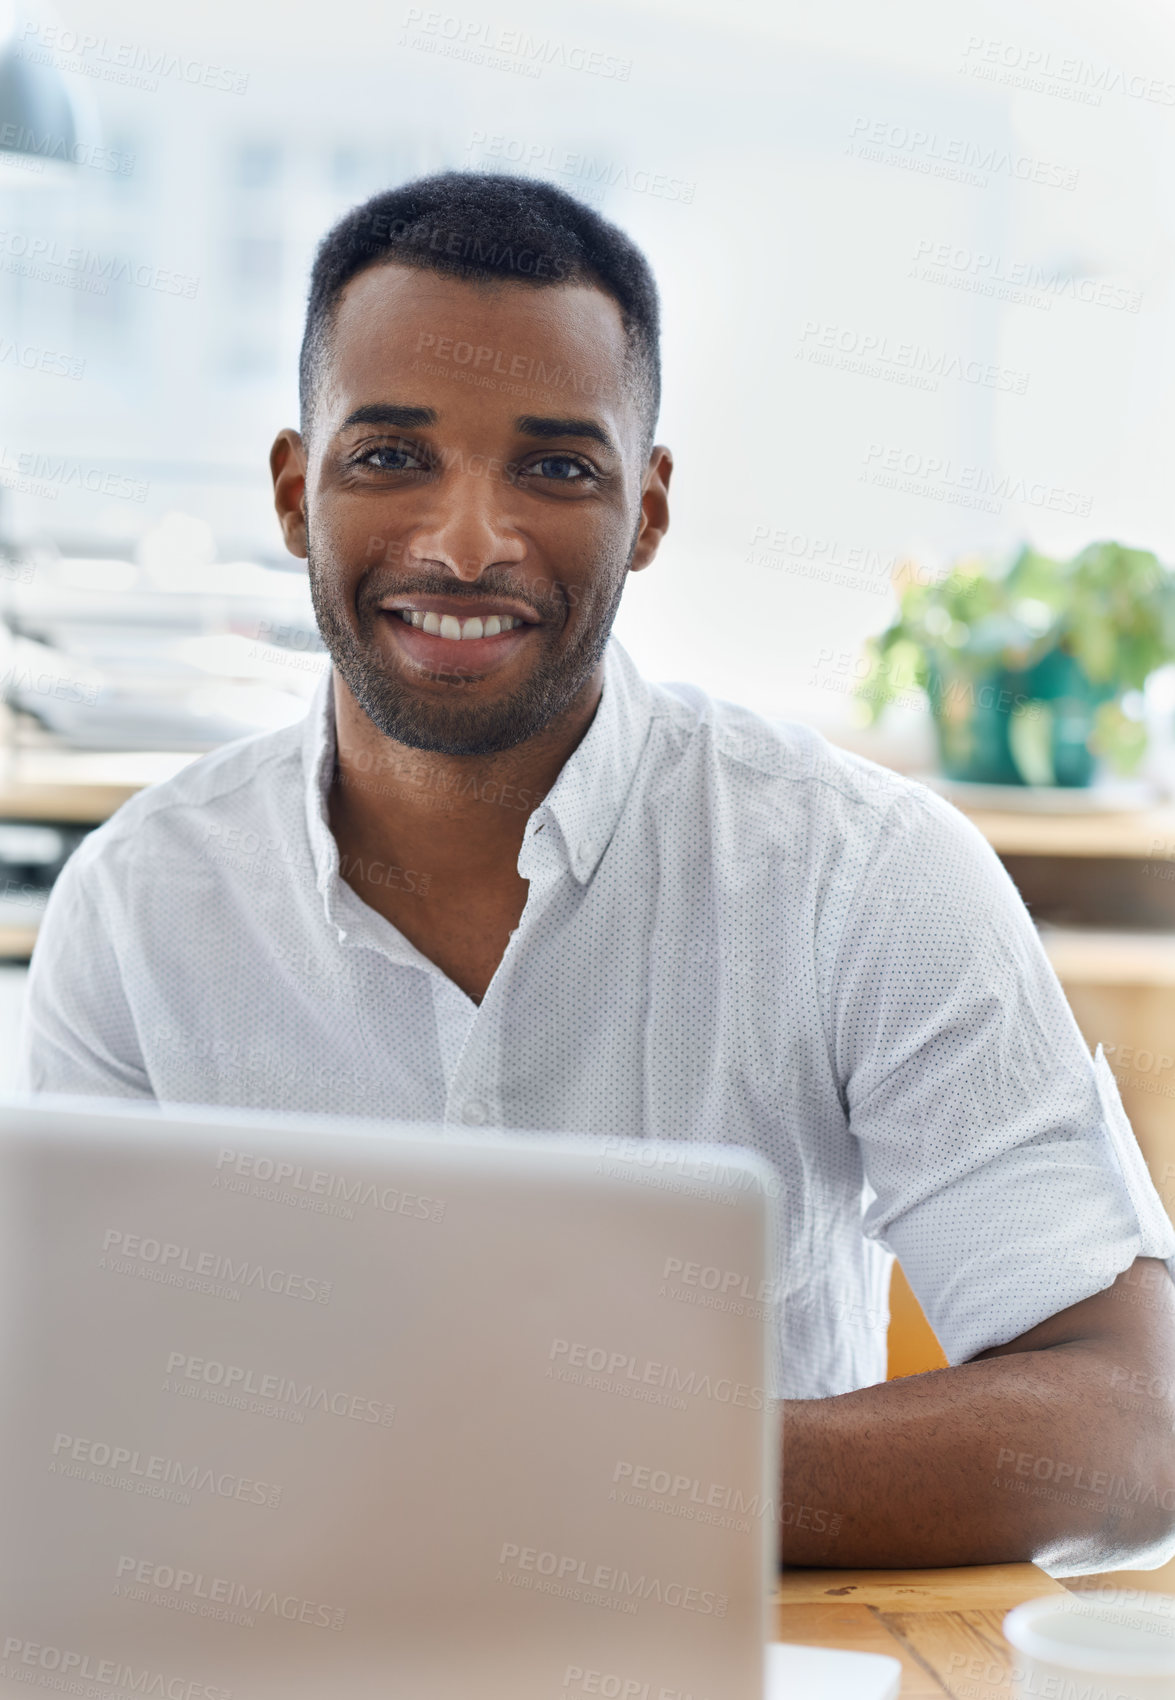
(1072,1217)
(1155,1227)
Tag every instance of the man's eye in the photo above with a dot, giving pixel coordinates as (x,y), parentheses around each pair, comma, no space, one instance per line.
(561,469)
(388,459)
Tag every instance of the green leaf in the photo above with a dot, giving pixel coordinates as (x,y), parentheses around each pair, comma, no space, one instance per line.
(1117,738)
(1030,739)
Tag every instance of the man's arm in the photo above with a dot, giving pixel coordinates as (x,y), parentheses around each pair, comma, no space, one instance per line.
(78,1032)
(1058,1447)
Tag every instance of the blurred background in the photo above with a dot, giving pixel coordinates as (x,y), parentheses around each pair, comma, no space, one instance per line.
(916,264)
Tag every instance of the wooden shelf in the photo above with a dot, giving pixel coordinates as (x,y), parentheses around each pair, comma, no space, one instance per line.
(16,942)
(1089,956)
(82,787)
(1147,833)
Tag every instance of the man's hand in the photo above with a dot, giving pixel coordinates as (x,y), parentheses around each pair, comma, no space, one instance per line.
(1058,1447)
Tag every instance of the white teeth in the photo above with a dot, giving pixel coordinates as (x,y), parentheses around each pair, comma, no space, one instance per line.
(449,626)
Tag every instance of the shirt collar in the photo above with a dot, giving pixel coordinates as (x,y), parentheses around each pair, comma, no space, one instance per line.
(585,801)
(589,795)
(318,765)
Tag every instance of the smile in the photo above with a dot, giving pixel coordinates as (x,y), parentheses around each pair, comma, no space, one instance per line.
(449,626)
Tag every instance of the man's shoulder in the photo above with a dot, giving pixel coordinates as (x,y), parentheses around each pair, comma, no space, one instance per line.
(246,779)
(796,759)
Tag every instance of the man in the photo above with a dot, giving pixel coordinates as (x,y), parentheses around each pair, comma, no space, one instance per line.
(497,879)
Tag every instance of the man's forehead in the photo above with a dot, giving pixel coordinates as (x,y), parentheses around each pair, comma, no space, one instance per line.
(390,312)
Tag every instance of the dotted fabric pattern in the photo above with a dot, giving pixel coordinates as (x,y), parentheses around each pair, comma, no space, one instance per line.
(735,933)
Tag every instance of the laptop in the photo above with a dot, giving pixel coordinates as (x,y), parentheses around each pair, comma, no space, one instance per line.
(295,1406)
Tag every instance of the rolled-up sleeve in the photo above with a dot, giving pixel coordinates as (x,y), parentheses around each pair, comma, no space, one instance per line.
(1004,1173)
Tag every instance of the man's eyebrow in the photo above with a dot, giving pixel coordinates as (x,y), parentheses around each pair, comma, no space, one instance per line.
(385,413)
(540,425)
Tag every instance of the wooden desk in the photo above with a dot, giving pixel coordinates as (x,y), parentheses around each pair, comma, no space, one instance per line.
(943,1625)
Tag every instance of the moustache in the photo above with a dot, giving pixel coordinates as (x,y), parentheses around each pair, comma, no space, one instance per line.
(548,599)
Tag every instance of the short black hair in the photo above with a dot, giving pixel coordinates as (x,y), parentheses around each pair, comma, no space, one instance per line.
(481,226)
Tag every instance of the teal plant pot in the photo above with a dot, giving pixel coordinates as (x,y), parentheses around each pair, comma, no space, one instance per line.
(1018,727)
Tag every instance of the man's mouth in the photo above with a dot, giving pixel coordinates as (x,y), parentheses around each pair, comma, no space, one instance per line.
(467,630)
(469,639)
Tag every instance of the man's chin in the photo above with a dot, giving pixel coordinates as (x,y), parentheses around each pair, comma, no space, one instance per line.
(422,719)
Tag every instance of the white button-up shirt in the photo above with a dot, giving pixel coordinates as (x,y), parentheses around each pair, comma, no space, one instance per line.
(734,933)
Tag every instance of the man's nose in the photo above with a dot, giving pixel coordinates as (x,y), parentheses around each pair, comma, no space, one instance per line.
(468,526)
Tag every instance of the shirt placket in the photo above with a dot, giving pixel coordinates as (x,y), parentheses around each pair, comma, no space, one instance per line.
(474,1096)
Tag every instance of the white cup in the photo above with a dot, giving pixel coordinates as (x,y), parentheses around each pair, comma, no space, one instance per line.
(1116,1644)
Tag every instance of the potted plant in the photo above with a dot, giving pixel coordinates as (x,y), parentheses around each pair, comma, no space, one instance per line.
(1026,666)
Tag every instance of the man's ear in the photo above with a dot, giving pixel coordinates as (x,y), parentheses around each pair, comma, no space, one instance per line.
(287,463)
(654,507)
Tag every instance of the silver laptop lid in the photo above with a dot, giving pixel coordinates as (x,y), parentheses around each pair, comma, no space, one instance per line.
(294,1407)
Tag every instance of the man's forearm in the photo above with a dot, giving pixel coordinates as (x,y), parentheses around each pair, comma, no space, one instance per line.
(1015,1457)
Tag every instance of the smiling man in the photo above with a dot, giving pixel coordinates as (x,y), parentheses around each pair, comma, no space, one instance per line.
(496,878)
(469,535)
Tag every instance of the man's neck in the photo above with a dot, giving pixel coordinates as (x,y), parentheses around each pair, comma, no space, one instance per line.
(463,816)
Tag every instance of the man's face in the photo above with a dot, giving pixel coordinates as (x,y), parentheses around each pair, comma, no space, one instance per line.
(474,495)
